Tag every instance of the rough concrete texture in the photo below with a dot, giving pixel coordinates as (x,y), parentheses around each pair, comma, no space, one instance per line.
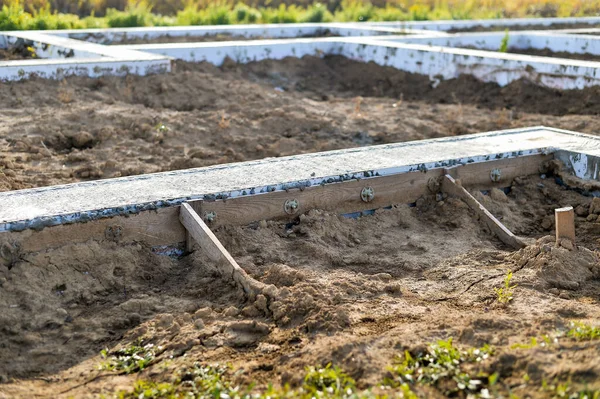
(111,197)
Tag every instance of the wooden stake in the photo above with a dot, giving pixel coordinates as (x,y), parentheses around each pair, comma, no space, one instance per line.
(212,247)
(565,223)
(497,228)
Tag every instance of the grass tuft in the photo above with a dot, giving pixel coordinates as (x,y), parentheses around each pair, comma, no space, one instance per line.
(130,359)
(505,294)
(583,332)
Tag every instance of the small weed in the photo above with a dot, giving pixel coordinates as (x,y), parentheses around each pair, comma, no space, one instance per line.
(505,294)
(565,390)
(330,379)
(504,42)
(131,359)
(443,362)
(544,341)
(162,128)
(583,332)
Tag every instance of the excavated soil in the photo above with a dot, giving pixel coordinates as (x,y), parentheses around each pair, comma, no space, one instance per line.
(14,54)
(81,128)
(352,292)
(556,54)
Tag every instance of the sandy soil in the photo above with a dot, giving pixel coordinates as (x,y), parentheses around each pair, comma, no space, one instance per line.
(81,129)
(354,292)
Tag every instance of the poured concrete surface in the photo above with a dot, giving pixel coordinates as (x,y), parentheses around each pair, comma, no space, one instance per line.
(105,198)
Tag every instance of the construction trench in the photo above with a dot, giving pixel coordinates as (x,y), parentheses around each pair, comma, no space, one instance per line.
(276,258)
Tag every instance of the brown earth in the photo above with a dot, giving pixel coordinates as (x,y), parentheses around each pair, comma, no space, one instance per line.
(354,292)
(546,52)
(200,115)
(15,54)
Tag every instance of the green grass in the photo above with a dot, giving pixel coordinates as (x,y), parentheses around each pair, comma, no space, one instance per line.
(15,15)
(130,359)
(505,294)
(213,382)
(443,366)
(443,369)
(504,43)
(583,332)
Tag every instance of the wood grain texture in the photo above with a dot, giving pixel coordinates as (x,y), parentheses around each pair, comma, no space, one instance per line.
(476,176)
(211,246)
(565,223)
(339,197)
(159,227)
(496,227)
(162,227)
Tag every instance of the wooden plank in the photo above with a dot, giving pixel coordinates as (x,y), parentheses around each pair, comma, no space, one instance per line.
(496,227)
(342,197)
(477,176)
(212,247)
(159,227)
(565,224)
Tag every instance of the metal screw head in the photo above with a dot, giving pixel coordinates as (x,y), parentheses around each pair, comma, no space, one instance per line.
(291,206)
(210,216)
(495,175)
(367,194)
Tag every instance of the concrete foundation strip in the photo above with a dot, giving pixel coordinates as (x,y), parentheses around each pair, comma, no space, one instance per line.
(416,47)
(148,207)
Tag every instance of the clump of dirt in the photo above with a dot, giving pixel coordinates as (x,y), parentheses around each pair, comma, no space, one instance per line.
(325,258)
(564,266)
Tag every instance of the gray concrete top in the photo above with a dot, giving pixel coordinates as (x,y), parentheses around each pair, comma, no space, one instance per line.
(71,203)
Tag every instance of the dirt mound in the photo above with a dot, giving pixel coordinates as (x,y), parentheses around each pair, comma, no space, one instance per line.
(337,74)
(65,305)
(565,266)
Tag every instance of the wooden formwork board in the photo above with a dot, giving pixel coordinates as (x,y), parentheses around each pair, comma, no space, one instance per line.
(346,197)
(162,226)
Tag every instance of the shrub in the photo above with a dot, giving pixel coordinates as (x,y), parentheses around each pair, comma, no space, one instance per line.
(137,13)
(355,11)
(190,15)
(390,13)
(217,14)
(317,13)
(245,14)
(13,16)
(281,15)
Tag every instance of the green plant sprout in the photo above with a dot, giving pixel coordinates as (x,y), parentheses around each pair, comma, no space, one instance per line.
(505,294)
(504,42)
